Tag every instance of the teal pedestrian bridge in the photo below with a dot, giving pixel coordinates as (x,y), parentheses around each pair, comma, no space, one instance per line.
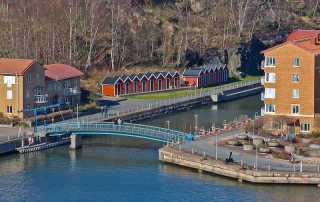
(109,128)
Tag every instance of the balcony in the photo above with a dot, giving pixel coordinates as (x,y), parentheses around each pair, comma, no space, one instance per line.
(71,91)
(262,96)
(262,80)
(39,99)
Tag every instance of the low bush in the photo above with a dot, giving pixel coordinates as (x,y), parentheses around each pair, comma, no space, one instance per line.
(315,134)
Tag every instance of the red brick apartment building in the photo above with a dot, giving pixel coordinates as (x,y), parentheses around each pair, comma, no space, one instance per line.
(292,84)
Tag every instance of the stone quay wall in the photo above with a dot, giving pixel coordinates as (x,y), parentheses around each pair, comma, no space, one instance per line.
(165,110)
(203,163)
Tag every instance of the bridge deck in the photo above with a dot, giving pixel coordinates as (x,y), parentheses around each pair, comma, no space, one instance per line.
(126,129)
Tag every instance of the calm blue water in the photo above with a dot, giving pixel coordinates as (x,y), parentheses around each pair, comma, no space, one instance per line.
(111,168)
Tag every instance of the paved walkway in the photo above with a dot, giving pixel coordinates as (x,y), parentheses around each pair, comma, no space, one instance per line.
(208,144)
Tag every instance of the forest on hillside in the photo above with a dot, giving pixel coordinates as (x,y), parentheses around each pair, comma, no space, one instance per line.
(116,34)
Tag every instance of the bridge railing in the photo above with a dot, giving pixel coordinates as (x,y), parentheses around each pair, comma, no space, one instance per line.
(129,129)
(110,114)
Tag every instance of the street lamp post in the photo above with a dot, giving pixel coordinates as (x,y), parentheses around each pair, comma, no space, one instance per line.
(256,157)
(196,124)
(168,122)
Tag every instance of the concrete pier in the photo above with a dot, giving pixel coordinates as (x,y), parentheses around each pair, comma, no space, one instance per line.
(76,141)
(237,171)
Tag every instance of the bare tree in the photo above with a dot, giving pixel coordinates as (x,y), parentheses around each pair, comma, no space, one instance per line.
(94,26)
(240,13)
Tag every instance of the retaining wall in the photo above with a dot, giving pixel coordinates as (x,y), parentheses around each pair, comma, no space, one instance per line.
(165,110)
(201,163)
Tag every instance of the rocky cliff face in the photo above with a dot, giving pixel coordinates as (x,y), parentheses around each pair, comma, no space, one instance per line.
(243,59)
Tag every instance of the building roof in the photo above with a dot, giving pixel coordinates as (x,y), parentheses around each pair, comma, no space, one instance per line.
(14,66)
(300,34)
(309,42)
(60,71)
(110,80)
(132,76)
(192,72)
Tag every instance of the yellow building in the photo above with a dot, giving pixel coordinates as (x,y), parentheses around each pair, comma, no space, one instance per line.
(292,84)
(25,84)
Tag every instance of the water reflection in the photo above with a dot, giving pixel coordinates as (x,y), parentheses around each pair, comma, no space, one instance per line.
(243,191)
(215,113)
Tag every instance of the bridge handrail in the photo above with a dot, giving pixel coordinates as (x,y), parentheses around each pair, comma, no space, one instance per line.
(147,130)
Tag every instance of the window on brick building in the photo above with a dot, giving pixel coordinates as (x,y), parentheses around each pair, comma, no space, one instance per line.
(270,107)
(9,94)
(270,62)
(296,62)
(295,78)
(29,78)
(9,109)
(295,109)
(295,93)
(305,127)
(270,77)
(270,93)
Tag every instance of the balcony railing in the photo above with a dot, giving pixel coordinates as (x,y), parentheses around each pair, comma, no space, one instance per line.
(38,99)
(262,111)
(262,96)
(262,80)
(71,91)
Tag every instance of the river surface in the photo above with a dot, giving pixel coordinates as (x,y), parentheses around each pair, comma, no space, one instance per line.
(112,168)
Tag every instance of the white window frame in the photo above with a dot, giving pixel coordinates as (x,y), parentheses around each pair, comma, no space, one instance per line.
(9,109)
(270,93)
(270,77)
(295,109)
(295,62)
(27,94)
(59,86)
(270,108)
(270,62)
(29,79)
(305,127)
(9,94)
(295,78)
(295,93)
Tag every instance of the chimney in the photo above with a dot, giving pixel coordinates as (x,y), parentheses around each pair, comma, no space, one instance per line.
(316,39)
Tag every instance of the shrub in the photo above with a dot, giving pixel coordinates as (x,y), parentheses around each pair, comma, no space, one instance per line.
(315,134)
(310,14)
(247,143)
(80,108)
(22,124)
(85,108)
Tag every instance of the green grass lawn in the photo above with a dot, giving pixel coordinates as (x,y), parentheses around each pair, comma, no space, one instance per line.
(181,92)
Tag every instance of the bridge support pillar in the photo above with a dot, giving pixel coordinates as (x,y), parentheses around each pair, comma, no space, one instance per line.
(76,141)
